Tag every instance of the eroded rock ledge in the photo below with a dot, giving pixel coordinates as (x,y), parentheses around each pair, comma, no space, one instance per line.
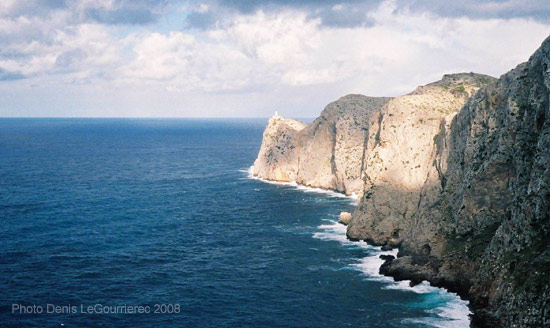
(456,174)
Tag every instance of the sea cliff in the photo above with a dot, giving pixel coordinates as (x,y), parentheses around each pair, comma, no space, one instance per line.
(456,174)
(328,153)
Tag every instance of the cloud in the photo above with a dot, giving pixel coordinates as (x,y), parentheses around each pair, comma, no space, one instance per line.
(354,13)
(349,13)
(16,8)
(249,6)
(120,16)
(123,12)
(51,37)
(505,9)
(10,76)
(290,48)
(345,15)
(242,62)
(70,58)
(202,20)
(259,49)
(72,52)
(110,12)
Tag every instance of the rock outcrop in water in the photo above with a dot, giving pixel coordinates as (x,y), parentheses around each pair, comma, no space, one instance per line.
(345,218)
(457,178)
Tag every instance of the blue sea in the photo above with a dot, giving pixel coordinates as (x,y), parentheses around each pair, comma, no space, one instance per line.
(103,218)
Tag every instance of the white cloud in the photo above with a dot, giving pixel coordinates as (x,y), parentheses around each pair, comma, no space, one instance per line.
(261,57)
(181,62)
(203,8)
(288,48)
(161,57)
(84,47)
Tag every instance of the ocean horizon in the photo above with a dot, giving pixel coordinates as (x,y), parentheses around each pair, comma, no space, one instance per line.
(106,216)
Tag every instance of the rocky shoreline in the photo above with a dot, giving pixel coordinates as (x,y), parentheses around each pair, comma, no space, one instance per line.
(385,269)
(456,174)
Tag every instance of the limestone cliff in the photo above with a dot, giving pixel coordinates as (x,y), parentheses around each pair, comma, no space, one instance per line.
(400,168)
(492,219)
(456,174)
(278,159)
(328,153)
(481,224)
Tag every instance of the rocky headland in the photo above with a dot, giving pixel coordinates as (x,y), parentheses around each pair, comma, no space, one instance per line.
(456,174)
(328,153)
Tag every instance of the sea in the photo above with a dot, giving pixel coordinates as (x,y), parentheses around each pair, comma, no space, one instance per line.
(159,223)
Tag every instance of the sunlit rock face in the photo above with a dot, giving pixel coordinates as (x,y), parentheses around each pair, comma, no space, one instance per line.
(277,159)
(328,153)
(403,159)
(344,218)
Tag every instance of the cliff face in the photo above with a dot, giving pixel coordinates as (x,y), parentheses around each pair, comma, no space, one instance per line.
(328,153)
(456,174)
(481,226)
(499,193)
(278,159)
(400,170)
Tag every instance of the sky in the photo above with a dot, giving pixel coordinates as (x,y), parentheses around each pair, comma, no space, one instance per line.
(245,58)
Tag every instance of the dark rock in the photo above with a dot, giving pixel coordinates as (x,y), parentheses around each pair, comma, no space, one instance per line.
(387,257)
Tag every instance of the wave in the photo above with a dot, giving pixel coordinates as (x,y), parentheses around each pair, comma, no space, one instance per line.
(331,193)
(337,232)
(450,309)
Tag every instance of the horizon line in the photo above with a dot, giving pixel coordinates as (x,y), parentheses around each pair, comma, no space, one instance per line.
(140,117)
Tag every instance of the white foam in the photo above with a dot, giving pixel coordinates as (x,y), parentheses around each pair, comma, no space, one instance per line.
(337,232)
(250,174)
(332,232)
(456,312)
(453,312)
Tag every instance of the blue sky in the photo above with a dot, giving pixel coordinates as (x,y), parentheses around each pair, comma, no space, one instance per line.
(244,58)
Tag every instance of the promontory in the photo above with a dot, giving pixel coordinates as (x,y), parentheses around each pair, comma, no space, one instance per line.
(456,174)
